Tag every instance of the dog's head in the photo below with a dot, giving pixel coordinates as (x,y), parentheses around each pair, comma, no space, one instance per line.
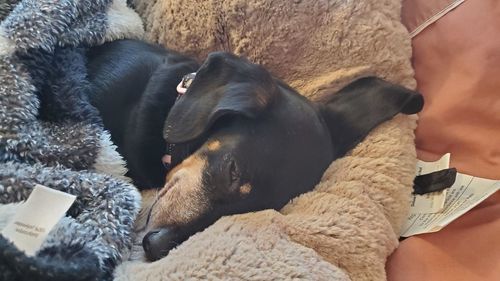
(259,143)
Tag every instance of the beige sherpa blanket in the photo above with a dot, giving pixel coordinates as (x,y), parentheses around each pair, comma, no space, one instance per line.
(349,224)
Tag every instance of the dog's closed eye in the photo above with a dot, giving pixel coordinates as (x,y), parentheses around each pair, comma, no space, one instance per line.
(234,174)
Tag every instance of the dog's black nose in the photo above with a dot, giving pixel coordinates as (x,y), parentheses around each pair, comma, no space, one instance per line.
(146,244)
(157,243)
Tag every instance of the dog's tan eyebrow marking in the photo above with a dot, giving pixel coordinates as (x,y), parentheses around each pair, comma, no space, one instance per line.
(245,189)
(213,145)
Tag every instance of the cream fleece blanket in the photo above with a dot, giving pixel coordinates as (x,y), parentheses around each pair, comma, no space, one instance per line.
(347,226)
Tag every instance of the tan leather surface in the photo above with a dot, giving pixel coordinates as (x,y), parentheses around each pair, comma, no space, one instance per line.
(457,65)
(466,250)
(415,13)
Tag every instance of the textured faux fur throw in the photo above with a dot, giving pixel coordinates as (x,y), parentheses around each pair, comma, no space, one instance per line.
(347,226)
(51,135)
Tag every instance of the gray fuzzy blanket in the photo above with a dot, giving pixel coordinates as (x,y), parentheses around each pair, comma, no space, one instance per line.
(51,135)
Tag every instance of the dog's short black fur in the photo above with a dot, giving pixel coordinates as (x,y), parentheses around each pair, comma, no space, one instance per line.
(254,142)
(134,87)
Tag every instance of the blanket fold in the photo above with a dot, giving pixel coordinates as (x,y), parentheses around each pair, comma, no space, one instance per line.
(51,135)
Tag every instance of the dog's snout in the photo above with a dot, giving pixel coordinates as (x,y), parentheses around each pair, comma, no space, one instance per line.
(157,243)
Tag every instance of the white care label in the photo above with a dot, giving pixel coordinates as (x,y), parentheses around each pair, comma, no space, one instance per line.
(463,195)
(431,202)
(36,217)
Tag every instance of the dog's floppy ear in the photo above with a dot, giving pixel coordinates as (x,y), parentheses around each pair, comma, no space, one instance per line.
(224,84)
(362,105)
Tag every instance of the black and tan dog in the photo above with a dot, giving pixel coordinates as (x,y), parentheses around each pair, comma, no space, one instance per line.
(244,140)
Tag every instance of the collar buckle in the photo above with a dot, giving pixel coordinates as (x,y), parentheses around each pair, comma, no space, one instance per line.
(185,83)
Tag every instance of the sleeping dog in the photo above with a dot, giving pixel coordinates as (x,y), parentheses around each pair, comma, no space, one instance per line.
(244,140)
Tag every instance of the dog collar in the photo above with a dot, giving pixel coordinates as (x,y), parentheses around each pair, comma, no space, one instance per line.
(185,83)
(181,90)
